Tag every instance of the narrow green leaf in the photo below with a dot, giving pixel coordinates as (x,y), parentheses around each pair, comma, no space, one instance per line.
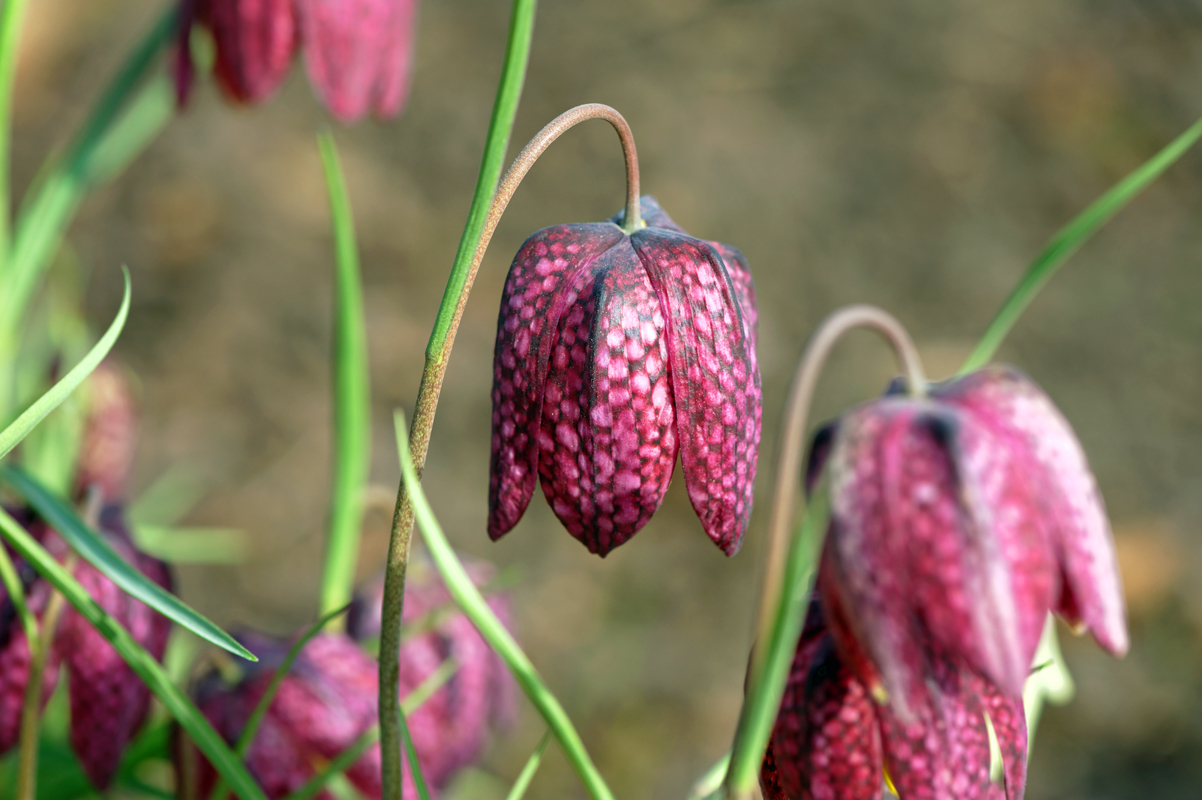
(527,774)
(475,608)
(12,17)
(92,548)
(1070,238)
(14,433)
(16,593)
(764,690)
(352,395)
(711,781)
(415,768)
(277,680)
(141,662)
(192,545)
(52,201)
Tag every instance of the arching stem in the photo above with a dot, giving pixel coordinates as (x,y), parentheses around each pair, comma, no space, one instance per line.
(438,352)
(790,565)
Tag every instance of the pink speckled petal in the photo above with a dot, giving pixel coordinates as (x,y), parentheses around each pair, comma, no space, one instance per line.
(714,379)
(944,753)
(1092,593)
(825,744)
(537,291)
(255,41)
(358,53)
(607,438)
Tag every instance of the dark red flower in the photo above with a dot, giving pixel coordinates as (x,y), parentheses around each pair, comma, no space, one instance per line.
(108,701)
(958,521)
(614,351)
(358,52)
(328,699)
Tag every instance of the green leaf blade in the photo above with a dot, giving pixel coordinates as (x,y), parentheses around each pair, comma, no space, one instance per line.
(11,436)
(93,549)
(141,662)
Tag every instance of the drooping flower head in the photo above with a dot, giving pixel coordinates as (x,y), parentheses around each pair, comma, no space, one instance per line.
(357,52)
(108,701)
(329,697)
(958,521)
(615,351)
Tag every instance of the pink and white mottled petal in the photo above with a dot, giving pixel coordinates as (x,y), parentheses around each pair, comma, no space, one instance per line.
(607,437)
(537,290)
(888,499)
(1081,536)
(944,754)
(357,53)
(714,379)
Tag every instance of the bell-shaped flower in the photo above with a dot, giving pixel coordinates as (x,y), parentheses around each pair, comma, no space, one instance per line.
(959,520)
(833,741)
(358,52)
(614,351)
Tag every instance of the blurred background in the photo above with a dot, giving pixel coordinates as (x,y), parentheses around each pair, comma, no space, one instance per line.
(912,154)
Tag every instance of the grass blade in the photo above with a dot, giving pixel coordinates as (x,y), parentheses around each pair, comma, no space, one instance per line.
(1070,238)
(475,608)
(352,400)
(99,554)
(20,428)
(527,774)
(141,662)
(415,769)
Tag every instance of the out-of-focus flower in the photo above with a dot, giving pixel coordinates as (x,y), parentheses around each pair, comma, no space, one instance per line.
(832,741)
(110,435)
(958,521)
(328,699)
(613,352)
(358,52)
(108,701)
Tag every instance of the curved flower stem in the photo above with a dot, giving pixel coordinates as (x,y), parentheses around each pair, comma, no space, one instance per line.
(438,353)
(791,560)
(509,91)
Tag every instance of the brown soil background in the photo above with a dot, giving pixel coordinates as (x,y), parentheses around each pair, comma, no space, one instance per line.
(912,154)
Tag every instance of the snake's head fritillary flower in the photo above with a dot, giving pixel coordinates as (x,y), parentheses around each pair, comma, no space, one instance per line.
(958,521)
(832,740)
(615,351)
(108,701)
(358,52)
(110,434)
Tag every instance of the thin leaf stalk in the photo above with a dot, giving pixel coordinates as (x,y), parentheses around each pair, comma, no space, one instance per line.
(469,599)
(1070,239)
(509,91)
(12,17)
(351,396)
(439,350)
(791,561)
(31,706)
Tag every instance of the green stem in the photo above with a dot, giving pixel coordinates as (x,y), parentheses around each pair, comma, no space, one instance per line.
(518,791)
(53,200)
(352,396)
(12,15)
(793,557)
(16,593)
(509,90)
(1070,238)
(475,607)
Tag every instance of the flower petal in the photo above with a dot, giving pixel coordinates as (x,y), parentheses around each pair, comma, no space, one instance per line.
(825,744)
(537,290)
(358,53)
(1092,593)
(607,437)
(944,753)
(714,378)
(1010,726)
(255,41)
